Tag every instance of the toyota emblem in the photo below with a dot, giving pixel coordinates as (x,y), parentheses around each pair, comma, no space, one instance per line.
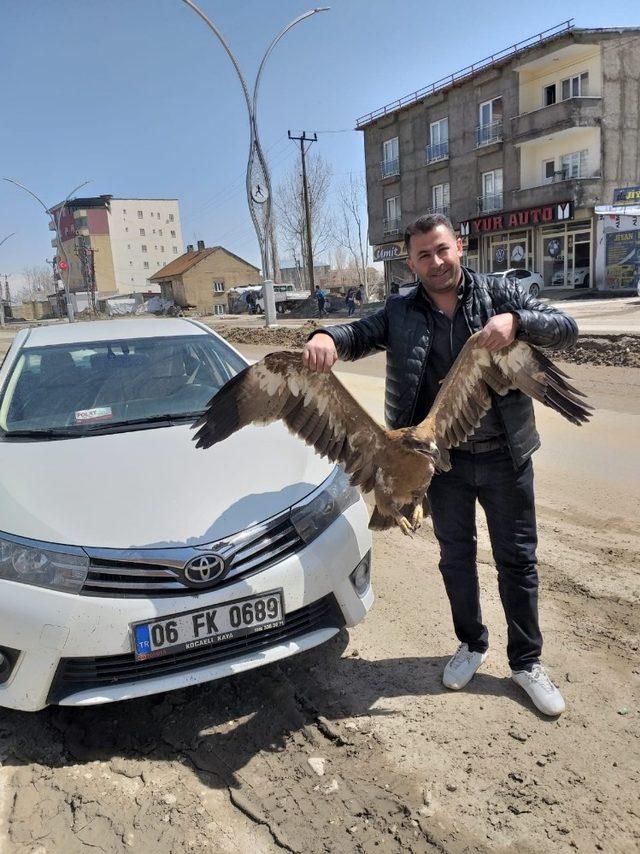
(204,569)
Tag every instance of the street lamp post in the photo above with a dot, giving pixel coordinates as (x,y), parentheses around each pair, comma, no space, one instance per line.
(55,219)
(258,179)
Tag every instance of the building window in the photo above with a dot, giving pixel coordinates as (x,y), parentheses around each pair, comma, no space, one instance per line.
(490,122)
(143,247)
(218,287)
(548,171)
(219,309)
(158,264)
(154,231)
(391,222)
(156,247)
(173,234)
(575,87)
(142,232)
(128,246)
(574,165)
(124,211)
(162,248)
(170,217)
(159,232)
(127,230)
(440,199)
(491,198)
(175,250)
(390,158)
(131,263)
(146,265)
(438,148)
(139,214)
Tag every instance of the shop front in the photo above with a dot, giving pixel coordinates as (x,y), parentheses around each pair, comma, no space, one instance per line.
(619,235)
(553,240)
(396,272)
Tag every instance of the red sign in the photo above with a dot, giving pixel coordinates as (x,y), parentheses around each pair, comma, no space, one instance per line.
(517,219)
(63,265)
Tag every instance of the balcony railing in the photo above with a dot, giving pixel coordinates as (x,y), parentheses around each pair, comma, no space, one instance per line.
(487,134)
(441,209)
(439,151)
(389,168)
(492,202)
(391,225)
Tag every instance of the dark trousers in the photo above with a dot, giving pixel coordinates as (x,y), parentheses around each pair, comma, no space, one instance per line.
(506,496)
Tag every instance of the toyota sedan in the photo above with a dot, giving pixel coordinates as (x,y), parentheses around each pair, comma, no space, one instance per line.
(130,561)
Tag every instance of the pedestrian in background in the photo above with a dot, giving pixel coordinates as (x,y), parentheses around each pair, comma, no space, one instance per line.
(351,301)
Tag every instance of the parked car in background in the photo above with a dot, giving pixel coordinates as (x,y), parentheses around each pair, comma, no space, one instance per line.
(579,278)
(531,283)
(131,562)
(286,298)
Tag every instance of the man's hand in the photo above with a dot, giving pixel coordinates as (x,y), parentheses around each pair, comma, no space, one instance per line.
(499,331)
(320,354)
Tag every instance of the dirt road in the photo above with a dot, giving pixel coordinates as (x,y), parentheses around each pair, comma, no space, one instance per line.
(408,765)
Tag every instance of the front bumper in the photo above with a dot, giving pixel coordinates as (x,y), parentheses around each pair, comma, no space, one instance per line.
(58,633)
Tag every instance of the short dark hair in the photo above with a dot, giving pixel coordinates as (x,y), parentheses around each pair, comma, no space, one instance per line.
(424,224)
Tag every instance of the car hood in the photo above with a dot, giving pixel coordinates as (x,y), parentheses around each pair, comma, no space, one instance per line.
(152,488)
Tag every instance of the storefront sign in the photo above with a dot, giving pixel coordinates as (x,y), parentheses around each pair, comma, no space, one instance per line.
(626,196)
(524,218)
(389,251)
(623,259)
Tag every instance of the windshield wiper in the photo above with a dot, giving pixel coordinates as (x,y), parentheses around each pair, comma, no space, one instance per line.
(49,433)
(79,430)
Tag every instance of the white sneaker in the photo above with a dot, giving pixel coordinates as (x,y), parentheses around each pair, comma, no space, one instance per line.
(461,667)
(541,689)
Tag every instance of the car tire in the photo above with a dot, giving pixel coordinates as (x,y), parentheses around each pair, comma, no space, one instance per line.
(534,290)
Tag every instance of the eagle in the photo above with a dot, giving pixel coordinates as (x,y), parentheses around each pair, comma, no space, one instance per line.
(395,465)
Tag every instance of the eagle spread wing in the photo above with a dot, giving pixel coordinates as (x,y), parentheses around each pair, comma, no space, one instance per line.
(464,396)
(316,407)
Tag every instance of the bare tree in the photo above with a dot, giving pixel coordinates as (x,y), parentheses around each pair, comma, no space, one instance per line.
(290,205)
(37,283)
(351,229)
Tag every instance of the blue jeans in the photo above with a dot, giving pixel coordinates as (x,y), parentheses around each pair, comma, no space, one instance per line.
(506,496)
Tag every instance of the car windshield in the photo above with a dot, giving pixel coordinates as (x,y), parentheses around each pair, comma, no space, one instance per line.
(75,389)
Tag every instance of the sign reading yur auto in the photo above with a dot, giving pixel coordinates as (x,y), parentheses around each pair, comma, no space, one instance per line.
(389,251)
(517,219)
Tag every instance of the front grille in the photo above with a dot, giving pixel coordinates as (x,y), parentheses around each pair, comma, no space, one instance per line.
(254,551)
(82,674)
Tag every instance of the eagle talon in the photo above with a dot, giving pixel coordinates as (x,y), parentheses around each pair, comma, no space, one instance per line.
(404,525)
(417,517)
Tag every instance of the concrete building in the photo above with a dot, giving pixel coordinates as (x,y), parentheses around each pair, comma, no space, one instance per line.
(518,149)
(126,241)
(202,278)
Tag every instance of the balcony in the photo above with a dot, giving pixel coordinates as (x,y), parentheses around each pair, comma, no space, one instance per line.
(390,168)
(443,210)
(488,134)
(391,226)
(584,192)
(436,153)
(572,113)
(492,202)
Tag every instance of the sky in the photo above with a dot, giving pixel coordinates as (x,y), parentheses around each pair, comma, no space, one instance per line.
(140,98)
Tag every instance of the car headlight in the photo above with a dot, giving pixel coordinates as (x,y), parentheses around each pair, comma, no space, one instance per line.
(317,511)
(43,564)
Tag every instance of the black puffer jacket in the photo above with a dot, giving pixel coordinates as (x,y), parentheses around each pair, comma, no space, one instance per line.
(404,329)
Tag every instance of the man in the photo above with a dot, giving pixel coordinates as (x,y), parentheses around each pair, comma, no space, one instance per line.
(321,298)
(423,332)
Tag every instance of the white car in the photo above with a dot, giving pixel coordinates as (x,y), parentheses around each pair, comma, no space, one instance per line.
(529,282)
(132,562)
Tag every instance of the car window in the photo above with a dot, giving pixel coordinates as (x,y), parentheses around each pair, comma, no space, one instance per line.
(76,386)
(522,274)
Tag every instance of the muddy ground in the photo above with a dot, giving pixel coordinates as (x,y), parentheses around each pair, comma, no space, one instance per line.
(407,765)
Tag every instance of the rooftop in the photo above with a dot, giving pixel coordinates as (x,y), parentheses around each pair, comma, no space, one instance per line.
(466,74)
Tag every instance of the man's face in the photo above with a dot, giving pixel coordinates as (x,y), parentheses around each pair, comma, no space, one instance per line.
(434,258)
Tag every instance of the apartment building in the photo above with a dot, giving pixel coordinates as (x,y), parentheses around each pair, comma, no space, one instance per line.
(119,243)
(518,150)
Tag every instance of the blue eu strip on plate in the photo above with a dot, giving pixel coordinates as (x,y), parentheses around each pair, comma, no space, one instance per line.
(143,643)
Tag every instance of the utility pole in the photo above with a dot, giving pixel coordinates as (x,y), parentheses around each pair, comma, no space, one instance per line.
(2,300)
(305,190)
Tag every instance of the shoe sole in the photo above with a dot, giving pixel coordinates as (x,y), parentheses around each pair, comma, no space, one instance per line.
(464,685)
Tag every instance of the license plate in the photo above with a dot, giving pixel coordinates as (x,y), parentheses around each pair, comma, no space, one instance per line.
(205,627)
